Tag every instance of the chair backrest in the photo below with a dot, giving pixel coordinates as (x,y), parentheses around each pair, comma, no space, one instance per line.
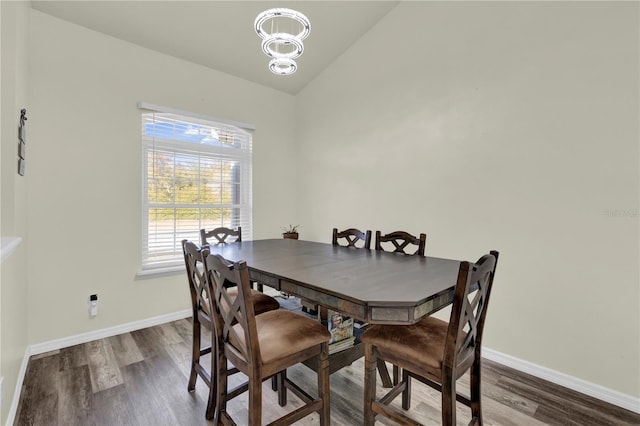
(201,301)
(399,241)
(352,237)
(234,312)
(222,235)
(468,312)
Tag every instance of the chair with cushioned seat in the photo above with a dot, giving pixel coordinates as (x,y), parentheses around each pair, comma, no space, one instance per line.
(261,346)
(434,352)
(353,238)
(358,239)
(224,235)
(221,235)
(400,241)
(202,306)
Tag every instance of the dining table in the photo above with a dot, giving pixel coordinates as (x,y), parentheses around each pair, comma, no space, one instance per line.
(372,286)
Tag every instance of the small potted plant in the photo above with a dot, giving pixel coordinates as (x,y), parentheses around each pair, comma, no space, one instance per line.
(291,232)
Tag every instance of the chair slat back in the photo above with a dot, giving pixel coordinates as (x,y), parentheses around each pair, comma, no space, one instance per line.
(352,237)
(233,309)
(221,235)
(400,241)
(200,294)
(468,313)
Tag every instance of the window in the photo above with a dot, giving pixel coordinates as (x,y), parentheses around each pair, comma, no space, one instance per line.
(196,174)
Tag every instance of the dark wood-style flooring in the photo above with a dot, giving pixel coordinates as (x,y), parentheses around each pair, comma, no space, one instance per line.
(140,378)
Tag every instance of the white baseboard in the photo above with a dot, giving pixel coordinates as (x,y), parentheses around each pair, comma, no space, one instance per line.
(65,342)
(611,396)
(16,393)
(78,339)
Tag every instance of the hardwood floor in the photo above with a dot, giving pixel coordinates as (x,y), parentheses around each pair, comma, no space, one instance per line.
(140,378)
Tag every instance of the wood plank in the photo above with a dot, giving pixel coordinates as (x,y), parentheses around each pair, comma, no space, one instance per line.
(75,396)
(103,366)
(113,406)
(73,356)
(39,396)
(125,349)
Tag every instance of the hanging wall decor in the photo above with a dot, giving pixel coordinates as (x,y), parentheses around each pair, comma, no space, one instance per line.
(22,146)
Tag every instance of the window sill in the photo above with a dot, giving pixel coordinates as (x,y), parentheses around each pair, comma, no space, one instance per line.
(146,274)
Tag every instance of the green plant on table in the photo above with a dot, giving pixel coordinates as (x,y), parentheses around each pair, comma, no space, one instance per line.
(291,229)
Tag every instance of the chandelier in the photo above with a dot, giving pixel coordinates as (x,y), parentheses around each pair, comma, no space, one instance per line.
(282,46)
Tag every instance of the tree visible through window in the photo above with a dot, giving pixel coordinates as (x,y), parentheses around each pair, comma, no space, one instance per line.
(197,174)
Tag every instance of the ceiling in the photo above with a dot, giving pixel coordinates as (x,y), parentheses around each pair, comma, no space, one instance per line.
(220,35)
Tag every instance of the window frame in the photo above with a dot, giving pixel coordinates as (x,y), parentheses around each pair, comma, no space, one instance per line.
(240,182)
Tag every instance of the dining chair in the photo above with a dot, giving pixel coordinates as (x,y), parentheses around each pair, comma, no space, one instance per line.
(224,235)
(261,346)
(358,239)
(399,241)
(221,235)
(352,237)
(433,351)
(348,238)
(202,306)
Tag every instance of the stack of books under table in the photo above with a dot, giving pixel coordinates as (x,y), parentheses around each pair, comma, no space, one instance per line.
(341,329)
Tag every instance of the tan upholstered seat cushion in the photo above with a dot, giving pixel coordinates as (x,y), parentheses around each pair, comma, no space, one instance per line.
(261,302)
(420,344)
(282,333)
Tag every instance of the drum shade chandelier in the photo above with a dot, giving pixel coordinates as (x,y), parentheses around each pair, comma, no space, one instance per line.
(278,44)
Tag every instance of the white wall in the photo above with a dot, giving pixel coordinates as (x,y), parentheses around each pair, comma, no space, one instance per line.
(84,171)
(13,276)
(497,125)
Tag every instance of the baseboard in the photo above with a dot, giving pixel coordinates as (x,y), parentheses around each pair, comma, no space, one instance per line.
(16,392)
(78,339)
(610,396)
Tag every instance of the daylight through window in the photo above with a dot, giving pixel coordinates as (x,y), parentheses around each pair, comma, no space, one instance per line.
(196,174)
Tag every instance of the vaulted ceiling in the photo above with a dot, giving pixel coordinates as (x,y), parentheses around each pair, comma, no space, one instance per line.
(220,35)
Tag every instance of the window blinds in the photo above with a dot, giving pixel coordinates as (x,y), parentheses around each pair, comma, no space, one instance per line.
(196,174)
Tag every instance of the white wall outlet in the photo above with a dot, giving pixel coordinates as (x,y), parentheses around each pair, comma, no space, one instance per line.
(93,305)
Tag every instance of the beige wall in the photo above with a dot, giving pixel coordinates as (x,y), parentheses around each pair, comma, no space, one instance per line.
(504,125)
(13,276)
(84,171)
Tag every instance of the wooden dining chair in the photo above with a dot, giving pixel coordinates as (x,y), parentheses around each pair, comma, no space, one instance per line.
(262,345)
(352,237)
(355,238)
(434,352)
(202,306)
(400,241)
(221,235)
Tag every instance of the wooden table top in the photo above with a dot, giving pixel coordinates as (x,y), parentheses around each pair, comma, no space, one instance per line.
(370,285)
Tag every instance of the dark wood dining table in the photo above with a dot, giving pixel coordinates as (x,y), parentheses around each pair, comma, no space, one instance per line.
(372,286)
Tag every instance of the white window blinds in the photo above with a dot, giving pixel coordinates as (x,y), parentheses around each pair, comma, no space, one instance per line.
(196,174)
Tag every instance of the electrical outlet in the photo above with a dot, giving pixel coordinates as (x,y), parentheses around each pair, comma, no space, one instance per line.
(93,305)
